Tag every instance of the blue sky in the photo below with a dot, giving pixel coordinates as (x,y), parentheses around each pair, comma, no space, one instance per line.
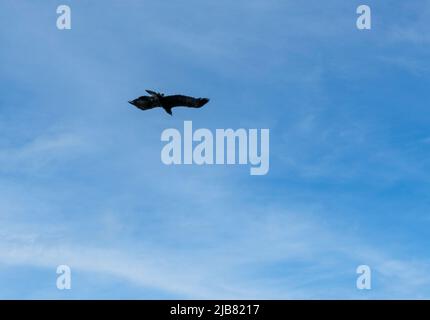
(82,184)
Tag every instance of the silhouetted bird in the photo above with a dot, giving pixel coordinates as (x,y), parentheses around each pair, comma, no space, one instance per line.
(167,102)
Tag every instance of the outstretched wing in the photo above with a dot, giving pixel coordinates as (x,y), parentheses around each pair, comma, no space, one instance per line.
(184,101)
(155,94)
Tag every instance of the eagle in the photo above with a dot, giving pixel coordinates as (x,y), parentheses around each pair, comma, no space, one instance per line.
(156,99)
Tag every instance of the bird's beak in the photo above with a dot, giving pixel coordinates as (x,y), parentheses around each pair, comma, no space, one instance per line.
(130,102)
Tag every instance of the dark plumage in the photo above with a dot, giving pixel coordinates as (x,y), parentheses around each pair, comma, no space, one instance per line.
(167,102)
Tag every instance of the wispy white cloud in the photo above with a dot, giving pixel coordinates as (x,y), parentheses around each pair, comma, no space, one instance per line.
(257,241)
(197,232)
(40,152)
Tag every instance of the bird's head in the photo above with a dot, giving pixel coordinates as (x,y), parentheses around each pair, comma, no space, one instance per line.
(144,102)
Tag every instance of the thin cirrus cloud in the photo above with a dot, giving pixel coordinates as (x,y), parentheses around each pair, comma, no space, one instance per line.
(82,183)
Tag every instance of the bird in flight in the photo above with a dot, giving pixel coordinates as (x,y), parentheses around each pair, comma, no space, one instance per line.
(155,100)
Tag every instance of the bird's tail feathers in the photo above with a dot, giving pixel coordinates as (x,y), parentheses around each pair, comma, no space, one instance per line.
(201,102)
